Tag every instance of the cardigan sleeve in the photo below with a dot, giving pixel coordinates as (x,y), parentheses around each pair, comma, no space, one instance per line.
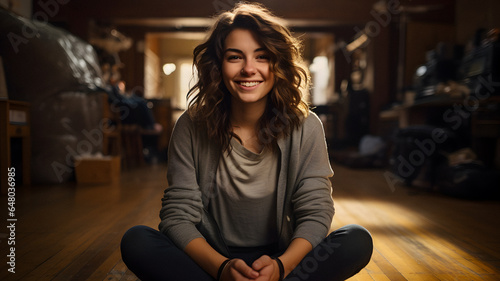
(312,201)
(181,203)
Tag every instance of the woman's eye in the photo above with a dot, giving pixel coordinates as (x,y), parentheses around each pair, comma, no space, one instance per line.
(234,57)
(263,57)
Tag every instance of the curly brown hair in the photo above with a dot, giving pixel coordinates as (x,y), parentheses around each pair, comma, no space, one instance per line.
(210,101)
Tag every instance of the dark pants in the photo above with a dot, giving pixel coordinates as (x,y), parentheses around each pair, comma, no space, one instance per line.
(152,256)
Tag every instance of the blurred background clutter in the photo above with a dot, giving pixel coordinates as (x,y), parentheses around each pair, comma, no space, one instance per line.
(391,81)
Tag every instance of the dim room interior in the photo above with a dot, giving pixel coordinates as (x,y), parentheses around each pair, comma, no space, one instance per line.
(408,92)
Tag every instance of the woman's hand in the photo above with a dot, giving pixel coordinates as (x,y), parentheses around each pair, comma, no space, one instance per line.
(267,267)
(238,270)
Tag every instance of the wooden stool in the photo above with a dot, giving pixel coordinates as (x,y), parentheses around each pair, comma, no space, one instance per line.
(132,145)
(14,123)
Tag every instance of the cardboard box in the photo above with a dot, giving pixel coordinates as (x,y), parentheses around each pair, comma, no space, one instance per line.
(97,170)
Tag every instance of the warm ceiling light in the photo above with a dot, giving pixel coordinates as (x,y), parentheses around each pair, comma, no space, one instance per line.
(168,68)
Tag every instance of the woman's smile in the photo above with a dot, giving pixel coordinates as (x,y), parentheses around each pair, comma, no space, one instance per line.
(248,85)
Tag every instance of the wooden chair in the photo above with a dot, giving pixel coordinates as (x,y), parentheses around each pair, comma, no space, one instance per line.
(132,145)
(120,139)
(111,128)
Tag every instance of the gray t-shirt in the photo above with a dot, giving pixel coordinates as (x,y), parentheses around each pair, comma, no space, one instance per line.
(244,205)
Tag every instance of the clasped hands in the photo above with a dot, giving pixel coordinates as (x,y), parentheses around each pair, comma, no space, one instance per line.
(262,269)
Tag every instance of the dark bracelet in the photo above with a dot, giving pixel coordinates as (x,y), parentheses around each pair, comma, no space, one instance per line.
(281,267)
(221,268)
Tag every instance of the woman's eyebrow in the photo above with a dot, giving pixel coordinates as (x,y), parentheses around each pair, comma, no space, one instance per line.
(233,50)
(241,52)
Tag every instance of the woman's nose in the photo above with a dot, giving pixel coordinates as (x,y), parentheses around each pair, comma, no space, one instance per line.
(249,68)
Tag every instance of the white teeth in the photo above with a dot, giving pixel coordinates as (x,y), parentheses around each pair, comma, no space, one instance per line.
(249,84)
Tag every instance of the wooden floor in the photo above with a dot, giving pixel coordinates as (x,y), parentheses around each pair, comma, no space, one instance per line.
(72,232)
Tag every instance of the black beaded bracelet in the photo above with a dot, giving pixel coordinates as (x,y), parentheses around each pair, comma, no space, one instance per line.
(221,268)
(281,268)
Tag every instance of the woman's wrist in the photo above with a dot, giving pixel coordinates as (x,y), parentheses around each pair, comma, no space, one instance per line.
(221,268)
(281,269)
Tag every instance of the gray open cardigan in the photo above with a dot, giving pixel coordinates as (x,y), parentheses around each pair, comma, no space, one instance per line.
(304,193)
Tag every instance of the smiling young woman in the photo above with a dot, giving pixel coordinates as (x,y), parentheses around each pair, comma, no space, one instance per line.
(211,102)
(249,195)
(248,78)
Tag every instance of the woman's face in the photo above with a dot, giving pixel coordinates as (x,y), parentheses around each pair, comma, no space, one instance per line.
(246,68)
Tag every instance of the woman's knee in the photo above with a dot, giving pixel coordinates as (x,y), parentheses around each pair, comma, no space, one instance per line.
(135,240)
(135,234)
(360,243)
